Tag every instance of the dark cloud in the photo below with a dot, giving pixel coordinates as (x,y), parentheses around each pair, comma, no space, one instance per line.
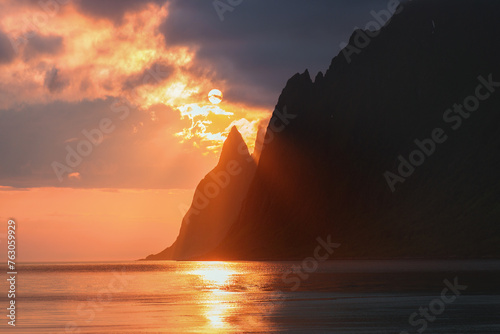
(7,52)
(43,45)
(261,43)
(153,75)
(33,137)
(113,10)
(54,82)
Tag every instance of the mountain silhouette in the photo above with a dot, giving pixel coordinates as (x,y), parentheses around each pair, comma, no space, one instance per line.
(381,152)
(216,203)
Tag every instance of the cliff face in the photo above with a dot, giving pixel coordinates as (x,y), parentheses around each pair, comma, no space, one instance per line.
(343,164)
(216,203)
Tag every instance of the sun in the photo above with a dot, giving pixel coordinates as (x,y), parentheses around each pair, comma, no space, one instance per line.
(215,96)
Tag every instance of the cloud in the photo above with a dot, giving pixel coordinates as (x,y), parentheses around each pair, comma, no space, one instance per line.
(74,176)
(7,53)
(261,44)
(38,44)
(79,58)
(113,10)
(54,82)
(155,74)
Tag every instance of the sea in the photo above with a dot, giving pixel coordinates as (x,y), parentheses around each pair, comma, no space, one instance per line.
(369,297)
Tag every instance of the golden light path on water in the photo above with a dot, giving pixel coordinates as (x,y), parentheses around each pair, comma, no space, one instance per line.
(216,275)
(225,288)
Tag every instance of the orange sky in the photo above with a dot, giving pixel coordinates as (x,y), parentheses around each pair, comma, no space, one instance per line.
(63,224)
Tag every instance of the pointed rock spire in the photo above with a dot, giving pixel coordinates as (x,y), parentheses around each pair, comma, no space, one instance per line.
(234,148)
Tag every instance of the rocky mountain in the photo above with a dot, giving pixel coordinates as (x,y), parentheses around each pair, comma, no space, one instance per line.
(338,168)
(216,203)
(393,152)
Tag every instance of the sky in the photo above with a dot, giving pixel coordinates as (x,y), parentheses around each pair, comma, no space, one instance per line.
(105,124)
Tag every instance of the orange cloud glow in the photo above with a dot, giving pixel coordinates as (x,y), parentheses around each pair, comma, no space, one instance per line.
(99,59)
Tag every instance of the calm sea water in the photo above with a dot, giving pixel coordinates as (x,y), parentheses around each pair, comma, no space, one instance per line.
(254,297)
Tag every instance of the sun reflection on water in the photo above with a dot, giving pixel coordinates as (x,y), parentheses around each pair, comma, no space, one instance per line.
(215,274)
(219,309)
(219,304)
(223,300)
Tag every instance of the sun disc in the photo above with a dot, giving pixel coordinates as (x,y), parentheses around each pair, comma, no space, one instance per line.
(215,96)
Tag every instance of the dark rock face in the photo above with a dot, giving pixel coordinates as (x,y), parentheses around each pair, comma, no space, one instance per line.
(325,173)
(216,203)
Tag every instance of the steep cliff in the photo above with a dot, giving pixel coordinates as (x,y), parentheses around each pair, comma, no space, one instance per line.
(216,203)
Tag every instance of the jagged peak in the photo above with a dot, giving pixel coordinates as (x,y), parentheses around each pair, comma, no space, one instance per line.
(300,82)
(299,78)
(234,131)
(306,74)
(319,77)
(234,147)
